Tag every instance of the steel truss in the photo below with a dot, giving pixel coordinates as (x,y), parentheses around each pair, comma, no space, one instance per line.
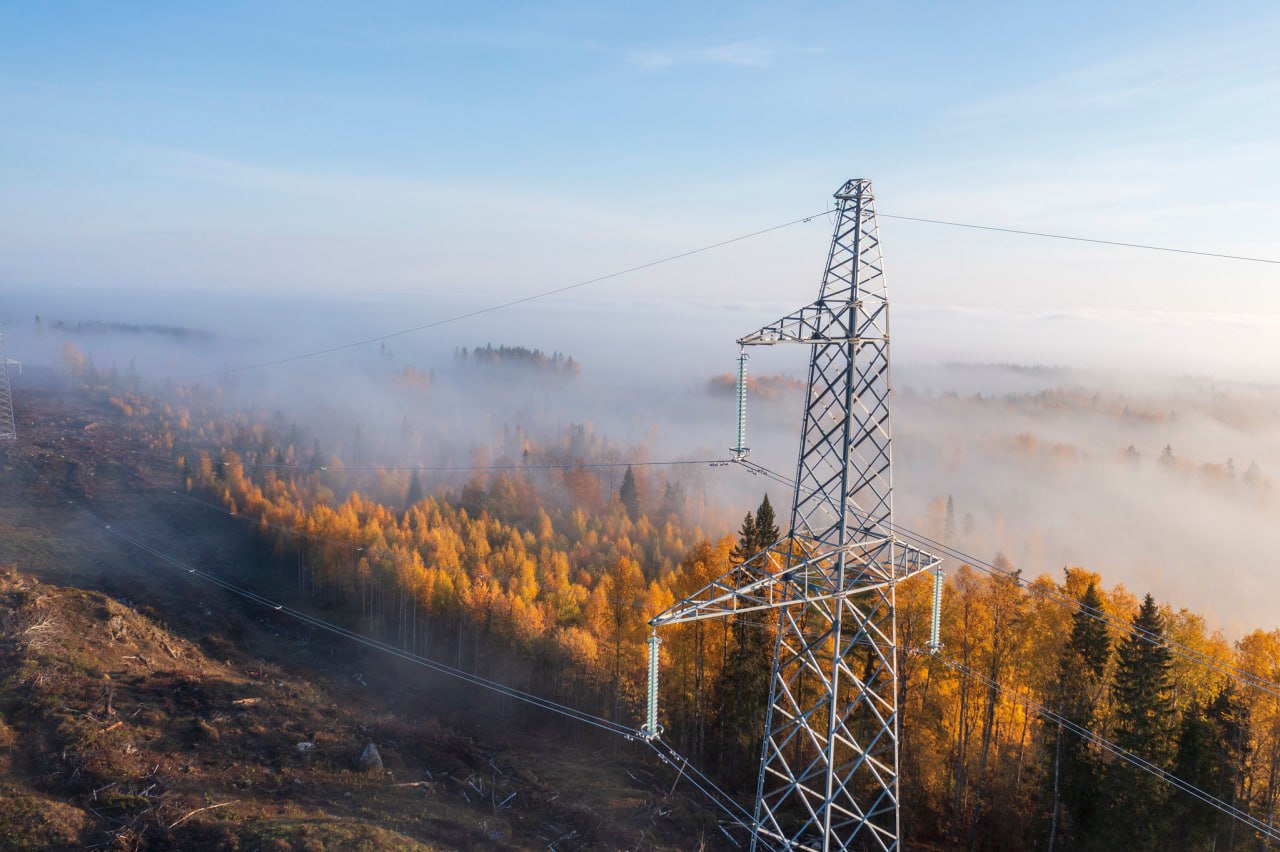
(8,429)
(828,776)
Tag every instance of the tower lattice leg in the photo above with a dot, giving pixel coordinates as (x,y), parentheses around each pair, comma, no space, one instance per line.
(8,428)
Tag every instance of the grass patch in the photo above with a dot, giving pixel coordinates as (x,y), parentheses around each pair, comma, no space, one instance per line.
(34,822)
(305,835)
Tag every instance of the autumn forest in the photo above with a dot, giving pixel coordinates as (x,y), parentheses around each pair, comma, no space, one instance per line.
(542,574)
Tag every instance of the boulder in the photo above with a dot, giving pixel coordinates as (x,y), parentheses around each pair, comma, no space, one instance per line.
(370,760)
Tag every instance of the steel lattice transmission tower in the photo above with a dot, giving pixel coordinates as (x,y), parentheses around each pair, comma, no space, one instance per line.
(828,776)
(8,429)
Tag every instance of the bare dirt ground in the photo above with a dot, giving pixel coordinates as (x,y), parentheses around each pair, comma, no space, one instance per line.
(142,709)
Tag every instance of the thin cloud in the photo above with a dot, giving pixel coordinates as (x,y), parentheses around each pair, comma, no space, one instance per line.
(1189,72)
(744,54)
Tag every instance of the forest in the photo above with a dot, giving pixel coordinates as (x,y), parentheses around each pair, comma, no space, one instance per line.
(544,577)
(556,363)
(799,425)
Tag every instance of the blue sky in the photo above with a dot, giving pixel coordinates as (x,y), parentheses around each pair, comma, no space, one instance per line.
(496,149)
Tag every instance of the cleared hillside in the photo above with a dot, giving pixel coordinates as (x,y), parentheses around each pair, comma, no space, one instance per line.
(141,709)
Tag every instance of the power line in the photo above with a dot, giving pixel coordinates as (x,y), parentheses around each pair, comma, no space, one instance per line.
(263,522)
(1145,765)
(512,303)
(1184,651)
(1191,654)
(1075,239)
(249,594)
(1187,653)
(634,603)
(531,466)
(670,258)
(1248,678)
(259,521)
(700,781)
(455,468)
(665,752)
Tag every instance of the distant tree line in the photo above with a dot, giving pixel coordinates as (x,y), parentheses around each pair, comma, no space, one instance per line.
(108,327)
(489,355)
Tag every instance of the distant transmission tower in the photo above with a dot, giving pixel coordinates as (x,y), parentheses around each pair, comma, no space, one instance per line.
(828,775)
(8,430)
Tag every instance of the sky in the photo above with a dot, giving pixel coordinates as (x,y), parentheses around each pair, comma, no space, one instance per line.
(483,151)
(297,175)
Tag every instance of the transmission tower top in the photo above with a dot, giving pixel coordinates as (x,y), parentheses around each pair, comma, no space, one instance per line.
(853,189)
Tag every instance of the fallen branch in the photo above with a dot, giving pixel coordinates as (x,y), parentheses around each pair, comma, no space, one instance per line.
(200,810)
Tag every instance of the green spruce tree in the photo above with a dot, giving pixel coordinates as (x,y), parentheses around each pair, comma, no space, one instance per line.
(414,494)
(766,527)
(1073,765)
(745,688)
(745,546)
(1145,725)
(1213,747)
(629,494)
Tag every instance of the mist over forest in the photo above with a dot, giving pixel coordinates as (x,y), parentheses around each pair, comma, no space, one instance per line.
(380,468)
(1009,438)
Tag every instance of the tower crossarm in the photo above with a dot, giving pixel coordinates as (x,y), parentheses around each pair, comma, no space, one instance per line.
(817,324)
(777,578)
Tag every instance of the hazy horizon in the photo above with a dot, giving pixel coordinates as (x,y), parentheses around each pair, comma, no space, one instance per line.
(1045,486)
(297,178)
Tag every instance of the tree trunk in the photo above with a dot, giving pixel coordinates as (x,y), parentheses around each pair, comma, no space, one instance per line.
(988,722)
(1053,815)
